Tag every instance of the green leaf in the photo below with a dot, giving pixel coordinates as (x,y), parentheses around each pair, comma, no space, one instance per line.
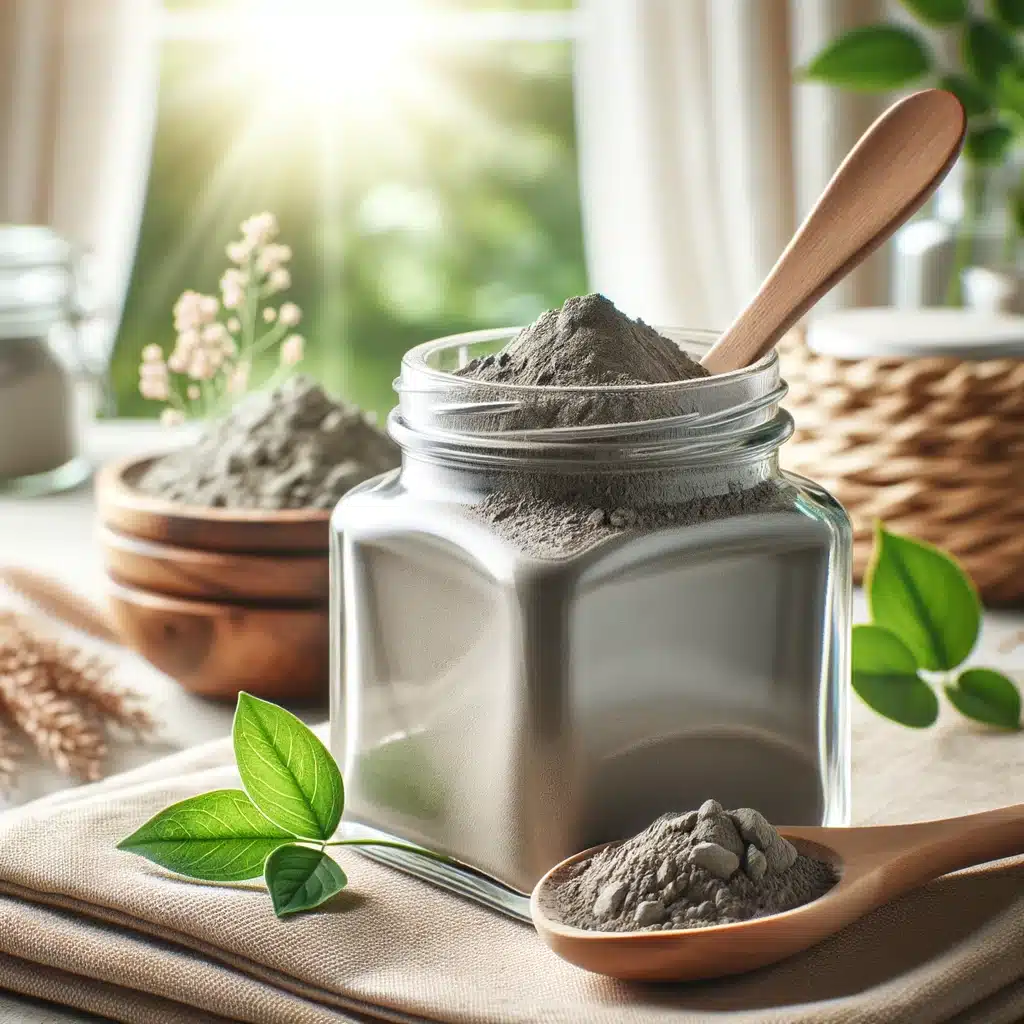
(986,696)
(923,596)
(987,48)
(287,772)
(217,837)
(885,677)
(300,878)
(1009,12)
(938,12)
(974,99)
(874,58)
(988,145)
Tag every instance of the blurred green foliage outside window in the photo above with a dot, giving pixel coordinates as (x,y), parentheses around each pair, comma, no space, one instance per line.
(427,184)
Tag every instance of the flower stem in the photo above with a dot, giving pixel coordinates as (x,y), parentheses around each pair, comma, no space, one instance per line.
(252,294)
(274,335)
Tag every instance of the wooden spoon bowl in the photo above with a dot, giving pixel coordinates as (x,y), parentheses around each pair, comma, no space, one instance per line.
(875,865)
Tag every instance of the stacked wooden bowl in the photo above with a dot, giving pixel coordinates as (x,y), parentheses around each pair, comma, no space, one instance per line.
(222,600)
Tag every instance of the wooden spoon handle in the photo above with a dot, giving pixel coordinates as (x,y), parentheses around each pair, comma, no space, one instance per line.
(893,169)
(901,857)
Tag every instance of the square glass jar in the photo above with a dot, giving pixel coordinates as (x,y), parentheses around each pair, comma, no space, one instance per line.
(508,698)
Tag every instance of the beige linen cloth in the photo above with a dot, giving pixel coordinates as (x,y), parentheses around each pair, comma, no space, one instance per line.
(85,925)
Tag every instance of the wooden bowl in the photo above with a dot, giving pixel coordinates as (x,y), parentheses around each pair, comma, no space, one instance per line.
(122,507)
(235,576)
(220,599)
(216,649)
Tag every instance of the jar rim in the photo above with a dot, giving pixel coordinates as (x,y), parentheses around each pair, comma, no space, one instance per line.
(415,361)
(443,416)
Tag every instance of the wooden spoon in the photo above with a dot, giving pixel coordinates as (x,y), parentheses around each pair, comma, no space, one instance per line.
(897,164)
(875,865)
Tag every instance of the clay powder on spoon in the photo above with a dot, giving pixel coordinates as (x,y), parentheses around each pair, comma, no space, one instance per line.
(694,870)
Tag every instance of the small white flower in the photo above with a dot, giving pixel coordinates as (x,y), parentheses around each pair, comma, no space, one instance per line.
(178,361)
(214,334)
(232,287)
(239,379)
(272,257)
(290,314)
(153,371)
(238,252)
(232,296)
(229,346)
(208,307)
(154,388)
(259,229)
(292,349)
(194,392)
(187,311)
(279,279)
(269,314)
(200,366)
(152,354)
(187,341)
(172,417)
(233,325)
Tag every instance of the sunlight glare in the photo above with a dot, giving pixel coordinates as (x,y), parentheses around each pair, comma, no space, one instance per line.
(319,60)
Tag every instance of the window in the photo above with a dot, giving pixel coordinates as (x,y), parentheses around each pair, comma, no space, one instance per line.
(422,167)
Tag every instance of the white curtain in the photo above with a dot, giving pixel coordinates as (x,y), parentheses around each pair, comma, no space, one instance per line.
(699,153)
(78,82)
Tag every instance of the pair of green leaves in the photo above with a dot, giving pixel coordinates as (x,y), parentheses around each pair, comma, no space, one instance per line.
(990,85)
(277,826)
(926,616)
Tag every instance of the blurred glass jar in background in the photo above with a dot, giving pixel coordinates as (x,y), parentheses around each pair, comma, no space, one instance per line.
(966,250)
(40,410)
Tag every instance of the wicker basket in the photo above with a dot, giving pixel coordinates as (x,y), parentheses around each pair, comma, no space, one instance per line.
(934,447)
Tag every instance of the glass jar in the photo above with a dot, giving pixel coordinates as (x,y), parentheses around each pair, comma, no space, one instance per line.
(974,220)
(38,408)
(508,704)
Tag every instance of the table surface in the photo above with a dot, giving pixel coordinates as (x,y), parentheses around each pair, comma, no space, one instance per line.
(54,535)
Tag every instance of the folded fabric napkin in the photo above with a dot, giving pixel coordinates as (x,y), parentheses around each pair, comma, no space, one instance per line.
(85,925)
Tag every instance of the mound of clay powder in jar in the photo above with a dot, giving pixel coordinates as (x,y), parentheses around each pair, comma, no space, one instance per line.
(706,867)
(291,447)
(585,343)
(588,342)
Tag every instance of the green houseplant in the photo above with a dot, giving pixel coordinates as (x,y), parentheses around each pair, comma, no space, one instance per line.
(987,77)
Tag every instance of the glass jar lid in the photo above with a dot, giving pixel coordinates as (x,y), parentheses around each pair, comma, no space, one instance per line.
(36,280)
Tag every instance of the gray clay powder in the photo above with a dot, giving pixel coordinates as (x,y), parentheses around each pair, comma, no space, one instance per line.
(291,447)
(693,870)
(589,342)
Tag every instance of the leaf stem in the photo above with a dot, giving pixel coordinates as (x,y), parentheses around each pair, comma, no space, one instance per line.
(418,850)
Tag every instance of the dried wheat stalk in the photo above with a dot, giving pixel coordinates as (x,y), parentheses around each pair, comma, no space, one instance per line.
(11,753)
(60,699)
